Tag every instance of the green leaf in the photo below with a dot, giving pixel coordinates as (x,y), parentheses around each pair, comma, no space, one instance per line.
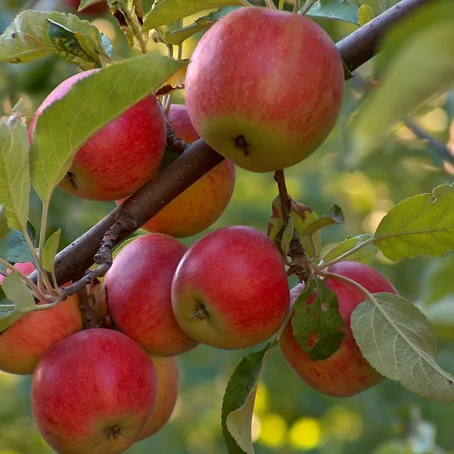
(397,340)
(24,111)
(238,402)
(21,297)
(413,71)
(287,236)
(3,223)
(333,216)
(364,254)
(165,11)
(437,283)
(14,170)
(89,105)
(335,9)
(14,248)
(85,49)
(27,38)
(7,309)
(84,3)
(317,325)
(419,225)
(50,250)
(365,14)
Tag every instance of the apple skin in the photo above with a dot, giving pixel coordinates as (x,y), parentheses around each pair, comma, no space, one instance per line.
(199,206)
(23,344)
(138,293)
(119,158)
(346,372)
(264,88)
(93,393)
(230,289)
(168,380)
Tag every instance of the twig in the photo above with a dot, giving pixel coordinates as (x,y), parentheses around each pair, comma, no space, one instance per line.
(286,201)
(439,147)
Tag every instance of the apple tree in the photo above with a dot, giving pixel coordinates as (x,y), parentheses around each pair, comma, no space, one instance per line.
(165,173)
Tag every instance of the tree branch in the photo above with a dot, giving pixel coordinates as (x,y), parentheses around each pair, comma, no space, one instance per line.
(199,158)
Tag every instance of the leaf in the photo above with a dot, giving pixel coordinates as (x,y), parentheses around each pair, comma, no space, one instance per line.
(334,9)
(50,251)
(85,3)
(238,402)
(14,170)
(14,248)
(398,341)
(437,283)
(419,225)
(412,72)
(27,39)
(287,236)
(317,325)
(365,14)
(67,46)
(90,104)
(86,50)
(21,297)
(302,217)
(333,216)
(3,223)
(364,254)
(24,111)
(165,11)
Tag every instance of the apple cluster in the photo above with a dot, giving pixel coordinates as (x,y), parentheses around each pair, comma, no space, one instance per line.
(100,390)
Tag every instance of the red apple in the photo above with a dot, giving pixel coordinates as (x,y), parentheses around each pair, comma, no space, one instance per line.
(199,206)
(23,344)
(138,291)
(93,393)
(230,289)
(168,377)
(346,372)
(264,87)
(119,158)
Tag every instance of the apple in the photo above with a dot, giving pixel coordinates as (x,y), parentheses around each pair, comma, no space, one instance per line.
(230,289)
(120,157)
(346,372)
(93,393)
(24,342)
(138,293)
(199,206)
(167,394)
(264,87)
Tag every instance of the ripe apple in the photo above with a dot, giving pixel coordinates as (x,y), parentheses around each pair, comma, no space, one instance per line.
(199,206)
(346,372)
(168,377)
(138,293)
(119,158)
(24,342)
(264,87)
(230,289)
(93,392)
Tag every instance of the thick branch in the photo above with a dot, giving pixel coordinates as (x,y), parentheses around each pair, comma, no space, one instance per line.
(355,50)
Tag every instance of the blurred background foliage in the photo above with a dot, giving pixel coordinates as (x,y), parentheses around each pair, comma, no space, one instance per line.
(289,416)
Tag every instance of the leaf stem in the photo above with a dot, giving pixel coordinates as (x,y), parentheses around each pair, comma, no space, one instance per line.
(321,265)
(270,4)
(297,6)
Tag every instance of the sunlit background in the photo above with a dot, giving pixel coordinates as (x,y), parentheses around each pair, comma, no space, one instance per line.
(289,417)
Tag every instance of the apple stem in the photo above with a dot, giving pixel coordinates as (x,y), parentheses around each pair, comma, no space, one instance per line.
(270,4)
(296,6)
(175,143)
(279,177)
(307,6)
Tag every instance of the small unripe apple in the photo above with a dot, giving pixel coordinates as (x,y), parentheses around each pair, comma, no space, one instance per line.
(138,292)
(24,342)
(264,87)
(167,394)
(230,289)
(199,206)
(119,158)
(346,372)
(93,392)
